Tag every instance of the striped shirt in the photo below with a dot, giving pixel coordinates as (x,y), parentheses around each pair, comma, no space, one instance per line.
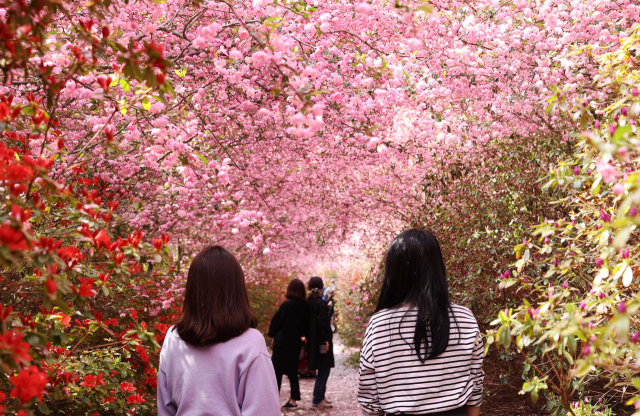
(392,378)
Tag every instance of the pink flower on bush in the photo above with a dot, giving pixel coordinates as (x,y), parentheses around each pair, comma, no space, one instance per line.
(607,171)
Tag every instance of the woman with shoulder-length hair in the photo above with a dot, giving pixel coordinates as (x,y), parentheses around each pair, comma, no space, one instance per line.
(421,354)
(287,328)
(319,342)
(213,361)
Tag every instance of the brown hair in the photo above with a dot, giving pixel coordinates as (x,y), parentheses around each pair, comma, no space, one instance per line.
(296,290)
(216,305)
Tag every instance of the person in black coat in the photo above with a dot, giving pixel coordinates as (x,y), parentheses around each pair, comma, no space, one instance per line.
(319,342)
(287,328)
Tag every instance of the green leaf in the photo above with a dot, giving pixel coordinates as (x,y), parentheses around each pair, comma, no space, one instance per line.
(146,103)
(43,408)
(620,132)
(125,85)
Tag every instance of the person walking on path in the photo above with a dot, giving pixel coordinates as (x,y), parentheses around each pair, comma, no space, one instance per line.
(421,354)
(319,342)
(213,361)
(287,329)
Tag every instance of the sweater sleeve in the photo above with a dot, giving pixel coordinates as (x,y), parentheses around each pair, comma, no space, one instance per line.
(367,387)
(258,395)
(477,375)
(165,406)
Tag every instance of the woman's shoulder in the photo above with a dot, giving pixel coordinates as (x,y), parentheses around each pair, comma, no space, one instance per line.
(252,340)
(462,311)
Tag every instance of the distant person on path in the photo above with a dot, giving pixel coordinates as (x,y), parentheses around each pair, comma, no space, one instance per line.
(421,354)
(213,361)
(329,296)
(287,328)
(319,342)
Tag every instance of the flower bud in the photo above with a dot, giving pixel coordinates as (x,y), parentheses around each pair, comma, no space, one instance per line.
(576,170)
(635,337)
(634,91)
(633,211)
(597,124)
(586,351)
(612,129)
(624,111)
(622,307)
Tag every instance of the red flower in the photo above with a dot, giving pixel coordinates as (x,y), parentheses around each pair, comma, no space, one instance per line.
(152,381)
(71,255)
(11,342)
(128,387)
(108,399)
(102,239)
(142,352)
(12,238)
(28,384)
(91,381)
(86,287)
(64,320)
(135,398)
(52,287)
(118,258)
(2,398)
(66,377)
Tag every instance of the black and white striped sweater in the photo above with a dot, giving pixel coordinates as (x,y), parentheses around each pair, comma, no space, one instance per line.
(392,379)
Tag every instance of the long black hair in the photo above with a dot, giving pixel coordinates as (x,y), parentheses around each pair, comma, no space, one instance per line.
(415,276)
(216,305)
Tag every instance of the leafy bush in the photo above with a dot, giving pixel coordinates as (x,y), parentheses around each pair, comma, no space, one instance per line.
(577,325)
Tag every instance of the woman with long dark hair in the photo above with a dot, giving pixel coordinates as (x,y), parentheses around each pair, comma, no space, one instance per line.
(319,342)
(287,328)
(213,361)
(421,354)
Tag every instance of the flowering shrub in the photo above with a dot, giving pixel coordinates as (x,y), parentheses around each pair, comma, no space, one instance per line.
(578,273)
(283,130)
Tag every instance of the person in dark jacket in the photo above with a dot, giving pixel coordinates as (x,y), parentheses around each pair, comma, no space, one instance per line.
(319,342)
(287,328)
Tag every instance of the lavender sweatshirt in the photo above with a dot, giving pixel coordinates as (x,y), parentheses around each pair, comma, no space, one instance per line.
(233,378)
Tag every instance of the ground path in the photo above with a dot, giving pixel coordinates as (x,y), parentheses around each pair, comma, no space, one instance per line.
(341,388)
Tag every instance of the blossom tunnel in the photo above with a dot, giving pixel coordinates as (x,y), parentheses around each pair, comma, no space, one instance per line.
(303,136)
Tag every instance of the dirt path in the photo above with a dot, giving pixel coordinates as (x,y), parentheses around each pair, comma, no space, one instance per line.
(341,388)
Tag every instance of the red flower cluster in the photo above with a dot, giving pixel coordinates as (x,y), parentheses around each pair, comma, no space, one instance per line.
(11,343)
(135,398)
(86,287)
(29,383)
(71,255)
(91,381)
(128,387)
